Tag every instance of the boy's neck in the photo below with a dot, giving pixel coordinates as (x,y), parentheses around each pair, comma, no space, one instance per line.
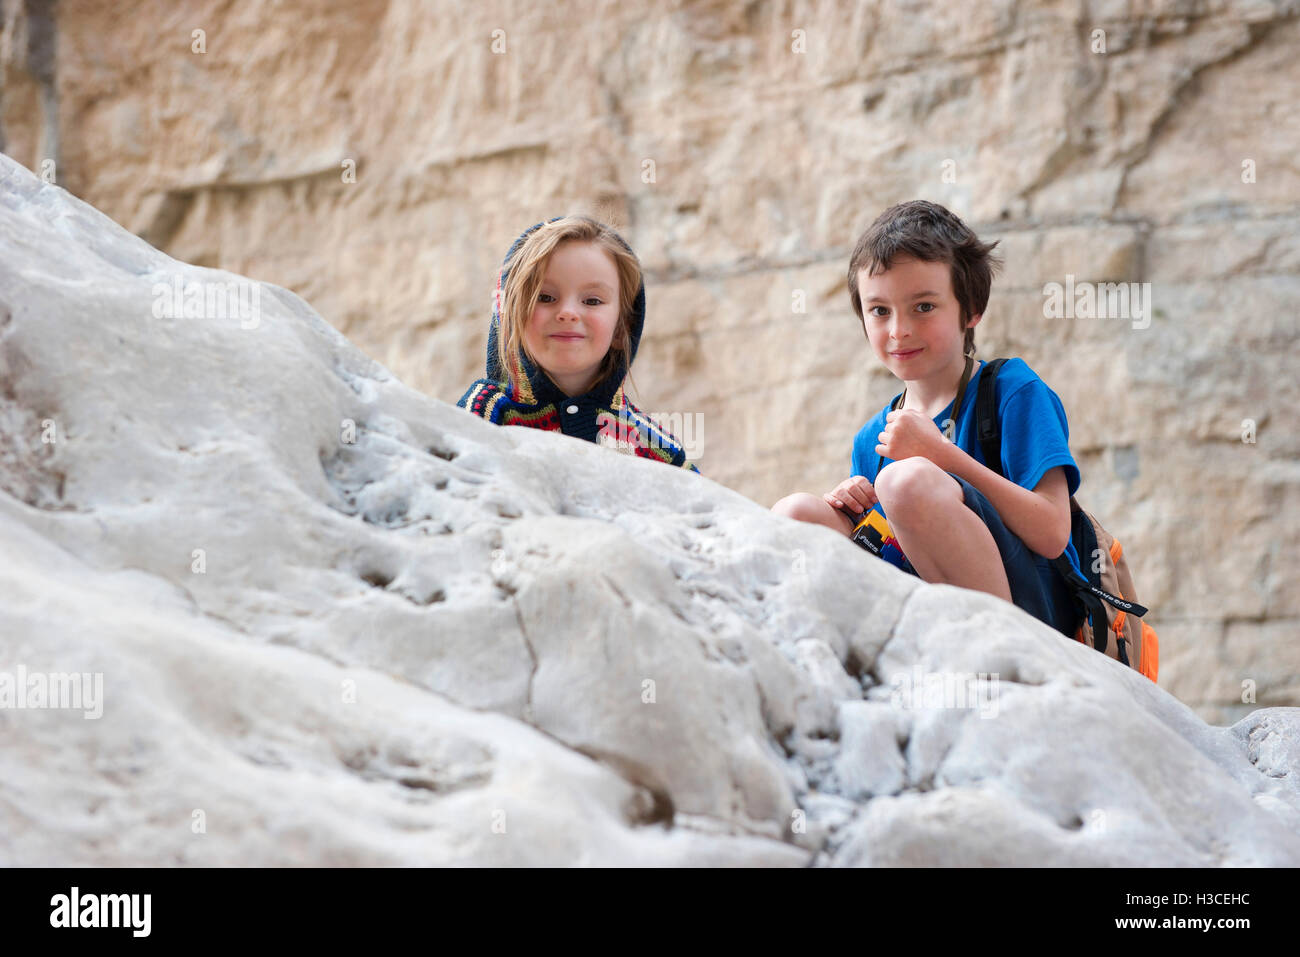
(933,394)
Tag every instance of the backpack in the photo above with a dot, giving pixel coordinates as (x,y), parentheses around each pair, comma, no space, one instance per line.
(1111,617)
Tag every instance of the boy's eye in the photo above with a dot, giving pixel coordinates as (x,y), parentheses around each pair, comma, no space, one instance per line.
(877,314)
(925,306)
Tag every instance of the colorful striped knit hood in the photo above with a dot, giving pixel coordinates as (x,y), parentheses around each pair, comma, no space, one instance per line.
(603,414)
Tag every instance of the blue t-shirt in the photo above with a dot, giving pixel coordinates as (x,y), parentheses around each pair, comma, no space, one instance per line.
(1035,434)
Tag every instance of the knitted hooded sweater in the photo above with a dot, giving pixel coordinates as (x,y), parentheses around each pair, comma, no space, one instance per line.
(604,414)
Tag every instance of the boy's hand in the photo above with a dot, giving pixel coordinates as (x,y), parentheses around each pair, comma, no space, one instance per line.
(854,495)
(908,433)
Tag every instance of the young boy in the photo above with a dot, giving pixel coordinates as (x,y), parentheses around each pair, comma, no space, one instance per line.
(919,281)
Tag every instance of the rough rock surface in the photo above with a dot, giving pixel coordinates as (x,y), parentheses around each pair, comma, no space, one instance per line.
(1160,149)
(339,622)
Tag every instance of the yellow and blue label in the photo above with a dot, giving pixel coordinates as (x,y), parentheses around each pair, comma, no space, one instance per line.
(873,533)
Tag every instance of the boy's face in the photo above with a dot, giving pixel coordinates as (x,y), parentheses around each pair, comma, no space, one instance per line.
(912,318)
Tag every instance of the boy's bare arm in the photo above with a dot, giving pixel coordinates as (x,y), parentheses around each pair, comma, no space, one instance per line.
(1040,517)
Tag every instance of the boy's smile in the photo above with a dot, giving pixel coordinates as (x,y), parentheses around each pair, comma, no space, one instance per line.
(913,322)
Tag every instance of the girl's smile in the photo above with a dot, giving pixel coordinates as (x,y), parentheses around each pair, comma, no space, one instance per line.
(570,329)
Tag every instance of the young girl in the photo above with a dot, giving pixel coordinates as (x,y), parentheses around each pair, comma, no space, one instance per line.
(567,317)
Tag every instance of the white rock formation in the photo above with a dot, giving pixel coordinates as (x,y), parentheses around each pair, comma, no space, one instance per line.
(339,622)
(378,158)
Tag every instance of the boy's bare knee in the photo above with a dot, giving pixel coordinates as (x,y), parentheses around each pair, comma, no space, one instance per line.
(913,484)
(814,509)
(801,505)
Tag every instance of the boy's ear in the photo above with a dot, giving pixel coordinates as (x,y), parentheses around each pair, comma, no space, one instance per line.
(974,320)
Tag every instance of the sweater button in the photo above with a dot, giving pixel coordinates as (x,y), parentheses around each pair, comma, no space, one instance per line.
(572,410)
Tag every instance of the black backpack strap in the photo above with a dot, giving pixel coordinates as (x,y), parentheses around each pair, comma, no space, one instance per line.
(988,429)
(1090,596)
(1084,594)
(1100,624)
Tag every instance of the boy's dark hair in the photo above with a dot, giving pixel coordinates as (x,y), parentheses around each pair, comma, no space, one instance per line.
(926,231)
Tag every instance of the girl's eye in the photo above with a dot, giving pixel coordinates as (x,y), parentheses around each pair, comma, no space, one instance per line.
(590,300)
(928,306)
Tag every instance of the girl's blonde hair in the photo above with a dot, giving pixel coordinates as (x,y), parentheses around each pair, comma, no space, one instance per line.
(523,285)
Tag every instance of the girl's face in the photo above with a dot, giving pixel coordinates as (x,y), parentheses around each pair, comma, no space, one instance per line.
(573,323)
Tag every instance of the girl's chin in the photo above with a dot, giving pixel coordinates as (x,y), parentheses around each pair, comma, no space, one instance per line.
(569,369)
